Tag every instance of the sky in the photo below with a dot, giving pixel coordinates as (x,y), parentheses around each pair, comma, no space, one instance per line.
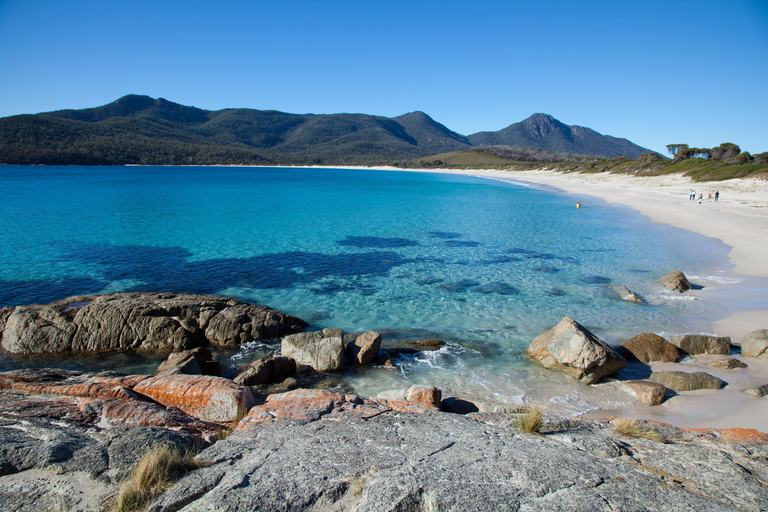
(654,72)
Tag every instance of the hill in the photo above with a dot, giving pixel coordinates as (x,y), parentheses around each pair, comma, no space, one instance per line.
(143,130)
(542,131)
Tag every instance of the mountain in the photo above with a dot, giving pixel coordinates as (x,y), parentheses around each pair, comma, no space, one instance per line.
(143,130)
(542,131)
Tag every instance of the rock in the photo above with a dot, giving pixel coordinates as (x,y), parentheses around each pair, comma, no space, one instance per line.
(198,361)
(759,391)
(393,394)
(364,349)
(383,358)
(625,294)
(729,364)
(682,381)
(287,385)
(702,344)
(755,344)
(322,350)
(676,281)
(647,347)
(266,371)
(424,395)
(126,321)
(571,348)
(208,398)
(349,455)
(648,392)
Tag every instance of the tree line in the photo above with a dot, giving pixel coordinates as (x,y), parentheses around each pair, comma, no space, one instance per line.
(725,152)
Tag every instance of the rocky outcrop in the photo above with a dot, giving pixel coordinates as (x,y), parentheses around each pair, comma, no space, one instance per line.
(428,396)
(755,344)
(647,347)
(571,348)
(211,399)
(322,350)
(682,381)
(648,392)
(198,361)
(348,455)
(626,294)
(151,321)
(676,281)
(208,398)
(729,364)
(702,344)
(266,371)
(364,349)
(758,392)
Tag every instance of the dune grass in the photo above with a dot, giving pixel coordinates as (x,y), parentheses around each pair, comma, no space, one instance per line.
(530,418)
(152,475)
(628,427)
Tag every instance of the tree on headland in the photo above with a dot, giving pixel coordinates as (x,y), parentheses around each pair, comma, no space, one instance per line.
(674,149)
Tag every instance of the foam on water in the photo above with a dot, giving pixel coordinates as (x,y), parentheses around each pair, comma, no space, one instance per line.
(485,265)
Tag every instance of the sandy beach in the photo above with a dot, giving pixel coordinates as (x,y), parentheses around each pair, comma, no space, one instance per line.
(740,220)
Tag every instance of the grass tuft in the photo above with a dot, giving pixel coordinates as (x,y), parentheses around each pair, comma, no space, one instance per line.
(629,427)
(530,419)
(152,475)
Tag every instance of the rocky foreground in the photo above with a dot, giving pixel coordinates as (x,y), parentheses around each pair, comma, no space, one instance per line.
(68,438)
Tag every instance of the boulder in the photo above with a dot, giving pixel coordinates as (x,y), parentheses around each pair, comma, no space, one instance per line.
(702,344)
(127,321)
(626,294)
(364,349)
(429,396)
(647,347)
(208,398)
(755,344)
(198,361)
(571,348)
(648,392)
(759,391)
(266,371)
(322,350)
(729,364)
(682,381)
(676,281)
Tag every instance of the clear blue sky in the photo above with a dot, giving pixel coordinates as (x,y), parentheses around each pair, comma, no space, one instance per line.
(655,72)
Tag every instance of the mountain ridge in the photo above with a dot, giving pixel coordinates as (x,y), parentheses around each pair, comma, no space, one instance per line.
(138,129)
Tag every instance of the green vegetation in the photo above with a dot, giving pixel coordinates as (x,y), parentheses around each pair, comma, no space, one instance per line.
(153,474)
(628,427)
(651,164)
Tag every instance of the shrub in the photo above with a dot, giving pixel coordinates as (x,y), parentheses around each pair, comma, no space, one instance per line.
(152,475)
(530,418)
(628,427)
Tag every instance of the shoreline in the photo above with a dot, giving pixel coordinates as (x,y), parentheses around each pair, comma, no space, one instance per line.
(740,220)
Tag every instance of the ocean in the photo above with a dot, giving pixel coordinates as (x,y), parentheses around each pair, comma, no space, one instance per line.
(484,265)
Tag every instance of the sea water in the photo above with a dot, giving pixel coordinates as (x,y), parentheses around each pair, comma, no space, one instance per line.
(484,265)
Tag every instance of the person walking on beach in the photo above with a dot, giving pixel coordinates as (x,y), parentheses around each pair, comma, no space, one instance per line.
(693,195)
(701,196)
(717,194)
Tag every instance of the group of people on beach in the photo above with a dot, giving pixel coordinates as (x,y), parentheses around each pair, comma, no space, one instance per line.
(710,195)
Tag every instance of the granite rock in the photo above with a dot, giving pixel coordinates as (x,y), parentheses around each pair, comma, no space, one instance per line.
(682,381)
(647,347)
(676,281)
(266,371)
(571,348)
(626,294)
(755,344)
(322,350)
(364,349)
(648,392)
(702,344)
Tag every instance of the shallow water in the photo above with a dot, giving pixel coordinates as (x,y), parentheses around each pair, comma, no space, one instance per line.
(482,264)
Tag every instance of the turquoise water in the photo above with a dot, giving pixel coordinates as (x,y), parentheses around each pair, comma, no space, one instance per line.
(485,265)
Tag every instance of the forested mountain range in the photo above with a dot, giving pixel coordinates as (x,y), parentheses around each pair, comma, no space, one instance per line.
(143,130)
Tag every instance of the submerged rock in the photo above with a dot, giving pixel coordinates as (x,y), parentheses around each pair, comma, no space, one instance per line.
(676,281)
(729,364)
(703,344)
(266,371)
(682,381)
(571,348)
(755,344)
(127,321)
(322,350)
(647,347)
(626,294)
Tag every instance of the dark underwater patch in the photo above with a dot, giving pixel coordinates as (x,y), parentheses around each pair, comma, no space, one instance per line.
(444,234)
(375,242)
(596,280)
(497,288)
(459,286)
(43,291)
(429,280)
(519,250)
(556,292)
(460,243)
(550,270)
(540,256)
(500,259)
